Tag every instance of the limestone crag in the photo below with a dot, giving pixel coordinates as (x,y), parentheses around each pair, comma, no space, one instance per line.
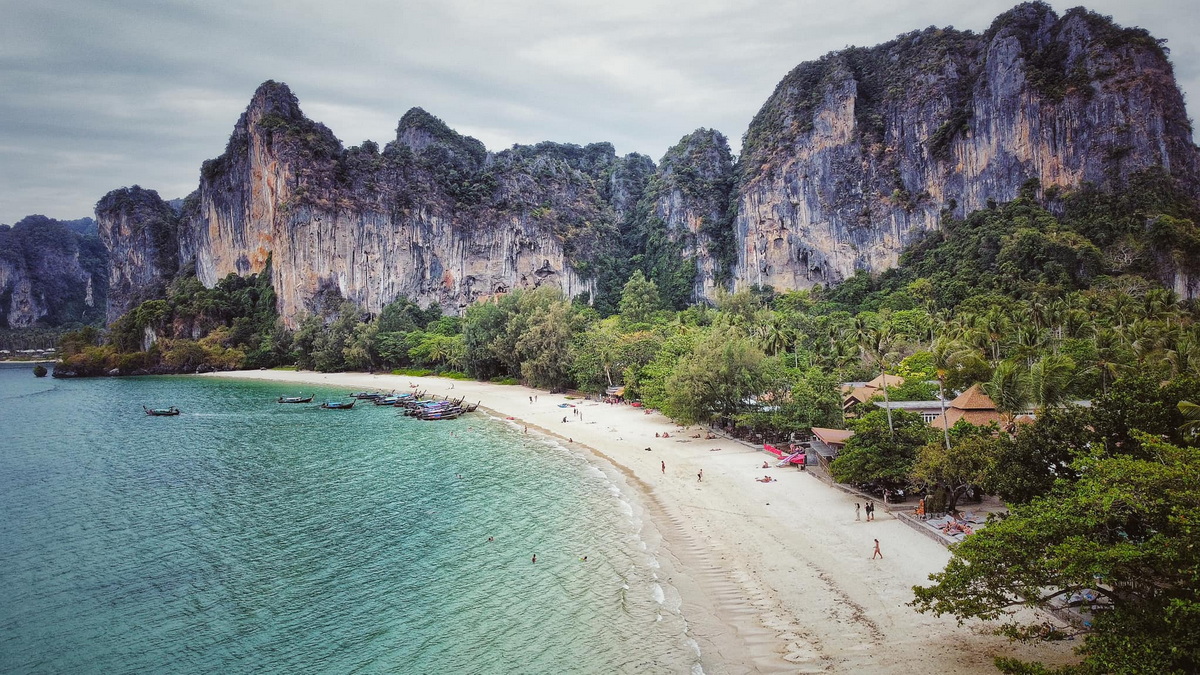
(856,155)
(49,274)
(690,195)
(432,216)
(139,231)
(853,157)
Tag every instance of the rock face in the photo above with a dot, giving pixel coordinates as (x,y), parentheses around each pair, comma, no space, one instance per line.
(49,275)
(859,153)
(689,197)
(432,216)
(139,231)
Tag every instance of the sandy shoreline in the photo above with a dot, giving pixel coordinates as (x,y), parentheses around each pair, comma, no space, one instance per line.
(773,577)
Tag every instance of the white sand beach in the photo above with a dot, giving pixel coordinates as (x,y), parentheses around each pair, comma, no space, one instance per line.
(774,577)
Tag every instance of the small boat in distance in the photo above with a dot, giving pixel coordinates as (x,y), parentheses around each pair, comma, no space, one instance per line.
(161,412)
(294,399)
(338,405)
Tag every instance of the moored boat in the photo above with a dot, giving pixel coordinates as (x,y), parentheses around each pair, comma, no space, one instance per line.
(338,405)
(294,399)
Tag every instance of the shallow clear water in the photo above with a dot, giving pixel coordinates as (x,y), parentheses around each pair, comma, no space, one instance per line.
(245,535)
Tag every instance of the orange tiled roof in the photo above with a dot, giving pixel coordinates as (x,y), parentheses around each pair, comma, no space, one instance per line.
(973,399)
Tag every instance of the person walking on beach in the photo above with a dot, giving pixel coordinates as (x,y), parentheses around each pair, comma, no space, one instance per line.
(857,506)
(664,467)
(700,476)
(870,510)
(876,553)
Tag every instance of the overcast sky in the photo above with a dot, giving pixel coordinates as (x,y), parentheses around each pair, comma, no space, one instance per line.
(100,94)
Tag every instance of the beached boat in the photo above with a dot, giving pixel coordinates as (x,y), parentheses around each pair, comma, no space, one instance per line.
(161,412)
(294,399)
(338,405)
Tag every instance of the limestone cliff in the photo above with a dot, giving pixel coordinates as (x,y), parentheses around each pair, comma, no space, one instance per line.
(689,196)
(139,230)
(432,215)
(49,275)
(853,157)
(857,154)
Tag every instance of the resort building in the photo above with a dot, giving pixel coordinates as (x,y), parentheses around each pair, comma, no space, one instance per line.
(973,405)
(857,393)
(928,410)
(827,443)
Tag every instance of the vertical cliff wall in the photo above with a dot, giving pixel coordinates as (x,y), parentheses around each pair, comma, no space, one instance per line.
(139,230)
(859,153)
(432,216)
(686,212)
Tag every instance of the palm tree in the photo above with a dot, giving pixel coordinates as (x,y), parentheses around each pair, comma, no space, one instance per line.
(1009,391)
(877,344)
(1191,415)
(948,356)
(995,325)
(1049,380)
(1107,362)
(775,335)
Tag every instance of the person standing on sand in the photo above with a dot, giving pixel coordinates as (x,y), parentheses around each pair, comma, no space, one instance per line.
(700,476)
(664,467)
(870,510)
(876,553)
(857,506)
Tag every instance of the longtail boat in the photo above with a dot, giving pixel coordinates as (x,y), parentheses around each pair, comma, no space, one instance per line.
(294,399)
(338,405)
(161,412)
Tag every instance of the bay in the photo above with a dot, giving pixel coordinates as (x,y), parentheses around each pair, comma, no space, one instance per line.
(250,536)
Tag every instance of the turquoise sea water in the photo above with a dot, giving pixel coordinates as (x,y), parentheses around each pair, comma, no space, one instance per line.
(249,536)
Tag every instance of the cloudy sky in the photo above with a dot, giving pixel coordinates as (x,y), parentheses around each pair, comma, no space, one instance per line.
(100,94)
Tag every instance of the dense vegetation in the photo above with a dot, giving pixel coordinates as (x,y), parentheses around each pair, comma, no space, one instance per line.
(58,258)
(233,325)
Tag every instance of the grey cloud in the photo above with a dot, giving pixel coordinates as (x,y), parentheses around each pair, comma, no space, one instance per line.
(107,93)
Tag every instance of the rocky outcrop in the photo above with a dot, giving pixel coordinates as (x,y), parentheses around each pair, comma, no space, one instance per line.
(857,154)
(49,275)
(139,230)
(690,196)
(433,216)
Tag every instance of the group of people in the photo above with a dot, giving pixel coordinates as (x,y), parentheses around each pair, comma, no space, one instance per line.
(956,527)
(870,510)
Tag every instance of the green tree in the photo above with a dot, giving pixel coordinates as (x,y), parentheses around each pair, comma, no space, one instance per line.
(483,324)
(876,453)
(639,300)
(1124,532)
(545,345)
(949,357)
(1009,390)
(1029,461)
(1050,380)
(1191,415)
(714,381)
(968,462)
